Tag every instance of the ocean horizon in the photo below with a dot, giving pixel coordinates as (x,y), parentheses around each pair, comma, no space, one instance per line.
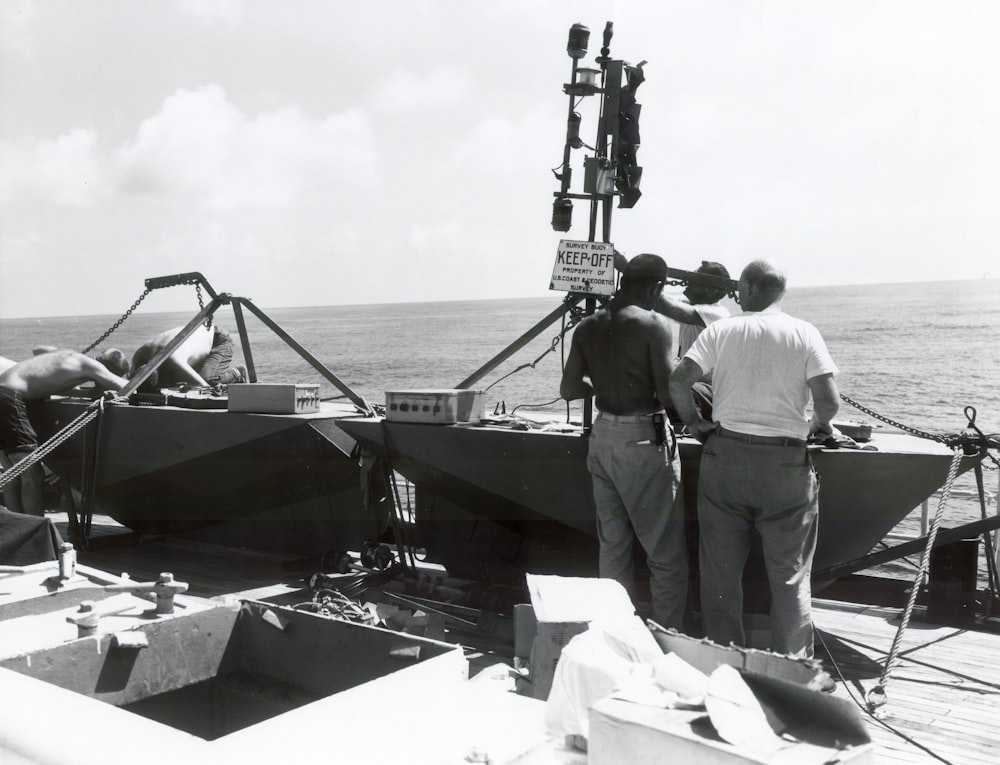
(555,294)
(918,352)
(914,353)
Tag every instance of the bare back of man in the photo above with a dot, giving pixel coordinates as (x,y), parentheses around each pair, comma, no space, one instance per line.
(183,363)
(622,356)
(626,354)
(56,372)
(43,375)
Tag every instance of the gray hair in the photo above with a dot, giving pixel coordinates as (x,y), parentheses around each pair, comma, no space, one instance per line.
(766,277)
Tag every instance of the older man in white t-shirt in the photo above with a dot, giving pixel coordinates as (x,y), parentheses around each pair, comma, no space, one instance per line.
(755,470)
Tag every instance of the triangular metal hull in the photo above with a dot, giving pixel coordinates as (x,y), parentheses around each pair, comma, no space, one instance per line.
(536,486)
(284,482)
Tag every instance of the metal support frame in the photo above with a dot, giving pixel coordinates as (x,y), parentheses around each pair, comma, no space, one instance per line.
(237,303)
(974,529)
(570,301)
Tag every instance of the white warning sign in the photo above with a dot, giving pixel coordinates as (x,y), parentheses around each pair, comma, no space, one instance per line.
(587,267)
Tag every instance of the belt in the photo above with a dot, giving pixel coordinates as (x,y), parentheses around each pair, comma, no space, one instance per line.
(747,438)
(628,419)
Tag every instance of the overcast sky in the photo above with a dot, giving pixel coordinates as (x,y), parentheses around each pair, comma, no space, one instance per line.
(327,152)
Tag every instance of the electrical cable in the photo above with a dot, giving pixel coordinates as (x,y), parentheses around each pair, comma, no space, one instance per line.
(868,712)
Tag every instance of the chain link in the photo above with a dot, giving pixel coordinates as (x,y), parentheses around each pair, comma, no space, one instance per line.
(118,323)
(882,418)
(201,304)
(135,305)
(732,294)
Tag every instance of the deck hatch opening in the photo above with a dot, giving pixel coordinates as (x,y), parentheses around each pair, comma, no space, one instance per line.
(221,670)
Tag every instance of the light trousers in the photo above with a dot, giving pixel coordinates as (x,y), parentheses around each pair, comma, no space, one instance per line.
(637,492)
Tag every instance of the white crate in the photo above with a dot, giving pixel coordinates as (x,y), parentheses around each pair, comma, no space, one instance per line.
(622,731)
(434,406)
(273,398)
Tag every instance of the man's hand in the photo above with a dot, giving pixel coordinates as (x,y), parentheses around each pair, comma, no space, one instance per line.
(702,429)
(820,430)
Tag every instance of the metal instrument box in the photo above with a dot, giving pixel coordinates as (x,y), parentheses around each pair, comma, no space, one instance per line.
(444,406)
(273,398)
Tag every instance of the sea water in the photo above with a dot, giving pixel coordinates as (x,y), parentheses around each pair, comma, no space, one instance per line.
(918,354)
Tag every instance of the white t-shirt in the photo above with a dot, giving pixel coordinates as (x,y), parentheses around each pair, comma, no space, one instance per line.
(760,363)
(688,333)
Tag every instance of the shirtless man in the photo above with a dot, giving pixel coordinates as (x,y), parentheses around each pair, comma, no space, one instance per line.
(203,359)
(623,356)
(39,377)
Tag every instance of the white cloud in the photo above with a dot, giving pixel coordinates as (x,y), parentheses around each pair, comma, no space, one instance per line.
(65,171)
(447,236)
(16,17)
(213,12)
(403,90)
(202,147)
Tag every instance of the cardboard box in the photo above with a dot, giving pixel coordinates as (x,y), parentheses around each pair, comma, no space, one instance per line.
(273,398)
(550,639)
(706,656)
(434,406)
(564,606)
(820,729)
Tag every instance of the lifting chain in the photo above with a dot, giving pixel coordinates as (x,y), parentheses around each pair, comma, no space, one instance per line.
(118,323)
(732,294)
(135,305)
(972,440)
(882,418)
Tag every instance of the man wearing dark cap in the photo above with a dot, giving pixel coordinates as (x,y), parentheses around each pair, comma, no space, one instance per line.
(698,308)
(623,357)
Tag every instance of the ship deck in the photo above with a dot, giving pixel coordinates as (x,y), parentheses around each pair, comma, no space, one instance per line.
(942,698)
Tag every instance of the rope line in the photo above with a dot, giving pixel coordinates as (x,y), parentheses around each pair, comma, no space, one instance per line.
(876,697)
(92,411)
(863,707)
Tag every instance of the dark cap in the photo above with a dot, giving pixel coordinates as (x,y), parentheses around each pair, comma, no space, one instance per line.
(646,268)
(712,268)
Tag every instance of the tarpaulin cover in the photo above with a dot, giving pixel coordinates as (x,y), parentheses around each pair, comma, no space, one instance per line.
(27,539)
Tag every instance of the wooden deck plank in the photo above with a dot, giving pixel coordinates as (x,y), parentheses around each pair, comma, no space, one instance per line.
(943,693)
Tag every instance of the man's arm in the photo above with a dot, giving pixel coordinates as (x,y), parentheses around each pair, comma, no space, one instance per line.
(183,370)
(573,384)
(826,403)
(100,374)
(678,310)
(684,376)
